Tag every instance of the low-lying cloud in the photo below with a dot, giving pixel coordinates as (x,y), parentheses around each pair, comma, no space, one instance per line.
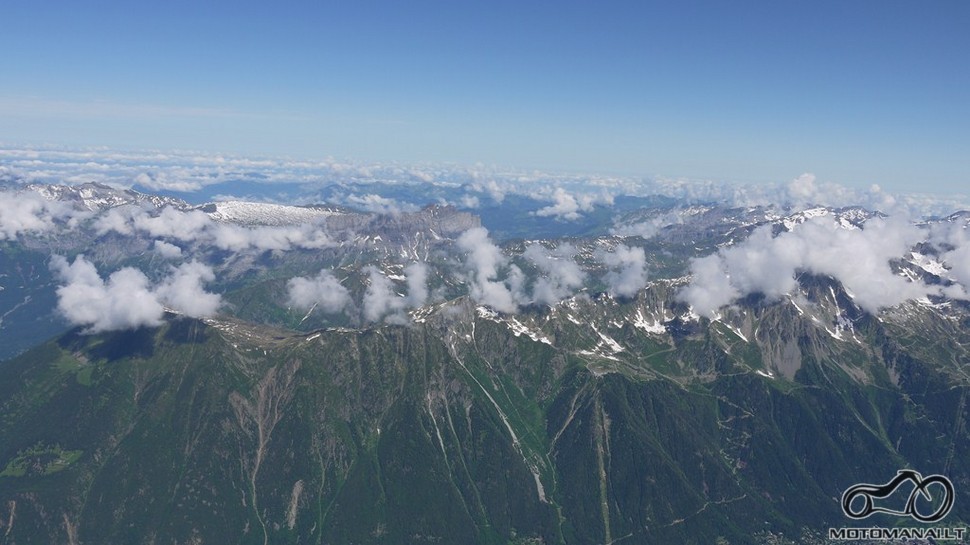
(568,206)
(182,290)
(23,212)
(126,299)
(322,291)
(378,205)
(166,250)
(381,300)
(956,256)
(194,226)
(627,272)
(559,274)
(565,206)
(858,258)
(189,172)
(482,263)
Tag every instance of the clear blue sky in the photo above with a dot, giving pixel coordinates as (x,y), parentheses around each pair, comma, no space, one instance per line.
(858,92)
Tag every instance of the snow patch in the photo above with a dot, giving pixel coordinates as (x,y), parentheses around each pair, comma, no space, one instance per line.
(256,213)
(519,329)
(597,355)
(656,327)
(736,331)
(795,219)
(487,313)
(608,341)
(929,264)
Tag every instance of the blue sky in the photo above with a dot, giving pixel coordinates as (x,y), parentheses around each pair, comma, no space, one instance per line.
(857,92)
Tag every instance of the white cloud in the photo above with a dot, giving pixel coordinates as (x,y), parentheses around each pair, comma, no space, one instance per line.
(238,238)
(482,262)
(858,258)
(194,226)
(378,204)
(469,201)
(628,270)
(126,300)
(24,212)
(166,250)
(417,281)
(484,257)
(806,191)
(559,274)
(182,290)
(956,258)
(164,181)
(187,171)
(568,206)
(802,189)
(492,188)
(710,287)
(381,300)
(173,223)
(564,206)
(119,220)
(648,228)
(323,291)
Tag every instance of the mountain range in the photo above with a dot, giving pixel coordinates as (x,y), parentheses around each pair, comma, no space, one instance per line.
(579,384)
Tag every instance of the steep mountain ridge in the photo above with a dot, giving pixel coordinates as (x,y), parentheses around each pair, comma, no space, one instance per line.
(476,427)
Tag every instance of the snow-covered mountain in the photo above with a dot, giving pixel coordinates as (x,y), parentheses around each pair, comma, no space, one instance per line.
(256,213)
(97,197)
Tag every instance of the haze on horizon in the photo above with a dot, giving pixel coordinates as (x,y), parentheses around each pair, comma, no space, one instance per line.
(858,93)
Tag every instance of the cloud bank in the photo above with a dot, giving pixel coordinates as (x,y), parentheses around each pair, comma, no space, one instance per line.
(569,194)
(194,226)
